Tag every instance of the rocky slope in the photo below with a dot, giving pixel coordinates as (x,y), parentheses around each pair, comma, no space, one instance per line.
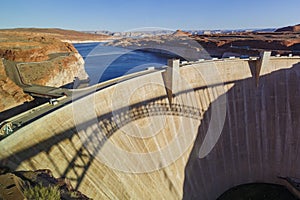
(222,44)
(40,58)
(178,44)
(181,33)
(251,43)
(60,67)
(61,34)
(295,28)
(39,184)
(11,94)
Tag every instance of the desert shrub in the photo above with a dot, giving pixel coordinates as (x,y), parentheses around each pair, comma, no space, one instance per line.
(40,192)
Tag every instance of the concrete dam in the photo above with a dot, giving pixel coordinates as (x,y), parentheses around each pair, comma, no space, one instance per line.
(188,132)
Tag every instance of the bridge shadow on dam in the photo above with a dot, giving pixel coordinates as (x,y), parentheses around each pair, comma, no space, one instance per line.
(108,123)
(259,142)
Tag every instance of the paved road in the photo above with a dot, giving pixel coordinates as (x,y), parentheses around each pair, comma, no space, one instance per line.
(13,73)
(34,90)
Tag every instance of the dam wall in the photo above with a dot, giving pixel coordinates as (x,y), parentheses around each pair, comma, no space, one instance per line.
(259,140)
(227,124)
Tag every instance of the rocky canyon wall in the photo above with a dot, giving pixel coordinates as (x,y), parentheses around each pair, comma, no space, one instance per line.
(38,59)
(11,94)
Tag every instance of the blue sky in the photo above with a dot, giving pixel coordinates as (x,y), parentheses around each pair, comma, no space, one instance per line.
(123,15)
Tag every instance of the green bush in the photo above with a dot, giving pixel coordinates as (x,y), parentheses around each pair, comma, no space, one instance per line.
(40,192)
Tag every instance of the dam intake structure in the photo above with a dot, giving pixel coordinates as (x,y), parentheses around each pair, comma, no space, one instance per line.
(190,138)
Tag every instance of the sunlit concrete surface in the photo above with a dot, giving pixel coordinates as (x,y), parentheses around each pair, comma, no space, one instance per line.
(230,122)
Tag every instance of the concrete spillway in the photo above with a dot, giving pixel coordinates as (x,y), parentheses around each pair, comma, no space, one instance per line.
(235,124)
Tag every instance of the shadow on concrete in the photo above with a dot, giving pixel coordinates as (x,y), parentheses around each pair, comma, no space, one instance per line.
(258,191)
(107,124)
(21,108)
(259,141)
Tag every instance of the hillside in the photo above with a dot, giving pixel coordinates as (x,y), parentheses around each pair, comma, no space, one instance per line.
(221,44)
(295,28)
(39,184)
(41,58)
(11,94)
(249,43)
(57,33)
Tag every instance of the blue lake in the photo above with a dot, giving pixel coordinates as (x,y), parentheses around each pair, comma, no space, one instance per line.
(106,62)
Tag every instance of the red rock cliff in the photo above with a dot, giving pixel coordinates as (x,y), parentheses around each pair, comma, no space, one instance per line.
(41,59)
(11,94)
(295,28)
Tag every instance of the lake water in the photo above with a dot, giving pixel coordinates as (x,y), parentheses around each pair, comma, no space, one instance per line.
(106,62)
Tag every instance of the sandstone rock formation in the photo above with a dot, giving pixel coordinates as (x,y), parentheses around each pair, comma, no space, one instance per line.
(58,71)
(11,94)
(295,28)
(181,33)
(40,59)
(178,45)
(249,43)
(22,184)
(60,34)
(222,44)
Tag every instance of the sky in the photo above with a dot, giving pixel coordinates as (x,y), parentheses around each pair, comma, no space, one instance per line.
(126,15)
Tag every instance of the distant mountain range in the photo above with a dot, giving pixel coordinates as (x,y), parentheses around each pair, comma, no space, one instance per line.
(165,32)
(295,28)
(201,32)
(133,33)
